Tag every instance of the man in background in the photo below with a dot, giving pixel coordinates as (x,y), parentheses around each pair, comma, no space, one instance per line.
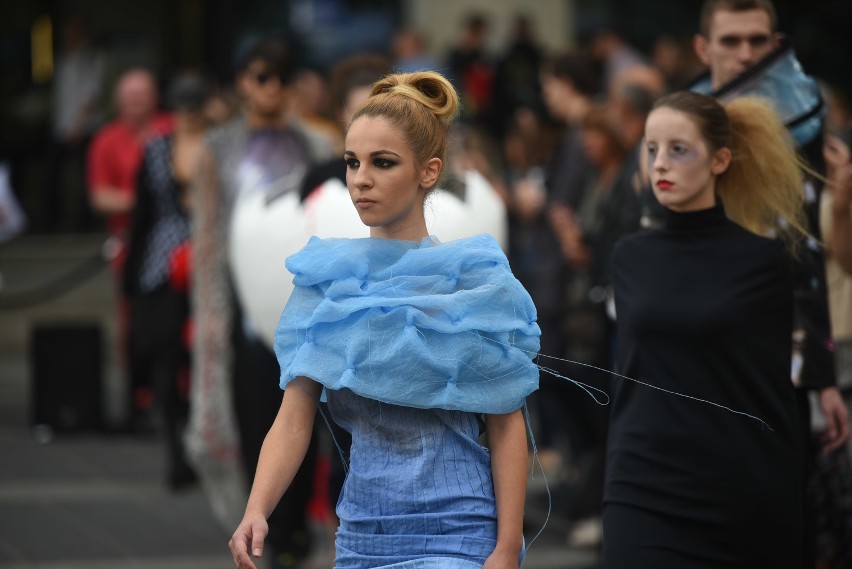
(235,377)
(76,93)
(113,164)
(736,35)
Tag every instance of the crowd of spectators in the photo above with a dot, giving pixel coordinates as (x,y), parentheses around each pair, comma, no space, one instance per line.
(557,135)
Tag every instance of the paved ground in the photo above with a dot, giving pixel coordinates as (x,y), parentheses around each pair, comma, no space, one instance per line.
(97,501)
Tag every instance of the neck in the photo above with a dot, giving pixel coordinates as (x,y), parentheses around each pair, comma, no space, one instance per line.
(266,120)
(696,219)
(139,125)
(407,232)
(186,128)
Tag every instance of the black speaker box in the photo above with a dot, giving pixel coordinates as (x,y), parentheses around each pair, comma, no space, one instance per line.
(67,368)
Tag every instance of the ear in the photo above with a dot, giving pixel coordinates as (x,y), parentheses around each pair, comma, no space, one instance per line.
(776,40)
(699,44)
(721,160)
(430,172)
(242,83)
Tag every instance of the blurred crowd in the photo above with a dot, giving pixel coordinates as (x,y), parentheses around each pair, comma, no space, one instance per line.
(557,136)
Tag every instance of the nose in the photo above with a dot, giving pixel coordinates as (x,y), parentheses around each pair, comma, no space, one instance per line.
(745,52)
(659,163)
(360,177)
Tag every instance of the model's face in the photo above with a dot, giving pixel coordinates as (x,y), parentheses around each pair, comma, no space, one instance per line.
(735,42)
(265,95)
(682,169)
(385,181)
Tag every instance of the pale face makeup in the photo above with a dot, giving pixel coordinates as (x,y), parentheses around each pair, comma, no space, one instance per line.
(681,168)
(385,182)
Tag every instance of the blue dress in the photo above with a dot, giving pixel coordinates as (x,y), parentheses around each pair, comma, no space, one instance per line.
(413,342)
(419,485)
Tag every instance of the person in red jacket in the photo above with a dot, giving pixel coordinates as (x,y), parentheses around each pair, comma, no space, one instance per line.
(116,151)
(114,159)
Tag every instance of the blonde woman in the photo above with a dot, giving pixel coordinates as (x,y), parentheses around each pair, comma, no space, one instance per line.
(420,347)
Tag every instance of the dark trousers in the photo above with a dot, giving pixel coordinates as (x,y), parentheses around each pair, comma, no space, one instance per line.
(159,359)
(569,415)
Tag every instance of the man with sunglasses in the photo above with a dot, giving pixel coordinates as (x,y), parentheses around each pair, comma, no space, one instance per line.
(235,394)
(740,44)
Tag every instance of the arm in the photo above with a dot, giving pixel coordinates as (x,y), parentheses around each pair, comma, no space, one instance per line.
(280,457)
(840,237)
(105,197)
(836,419)
(211,431)
(140,227)
(507,439)
(840,245)
(210,303)
(108,200)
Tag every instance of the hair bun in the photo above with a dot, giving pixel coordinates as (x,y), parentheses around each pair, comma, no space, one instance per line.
(428,88)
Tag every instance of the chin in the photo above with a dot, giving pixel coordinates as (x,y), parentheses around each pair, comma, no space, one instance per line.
(672,204)
(664,199)
(367,220)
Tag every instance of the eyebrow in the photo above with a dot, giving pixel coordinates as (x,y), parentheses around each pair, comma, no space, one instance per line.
(373,153)
(747,37)
(671,141)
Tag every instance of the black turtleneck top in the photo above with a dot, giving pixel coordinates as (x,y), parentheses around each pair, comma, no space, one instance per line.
(705,308)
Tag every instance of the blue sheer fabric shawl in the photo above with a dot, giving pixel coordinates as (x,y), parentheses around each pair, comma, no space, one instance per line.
(418,324)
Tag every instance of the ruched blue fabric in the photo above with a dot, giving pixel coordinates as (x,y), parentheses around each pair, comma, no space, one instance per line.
(417,324)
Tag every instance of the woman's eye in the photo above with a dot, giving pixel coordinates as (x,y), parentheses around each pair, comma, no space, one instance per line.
(679,149)
(382,163)
(352,164)
(652,151)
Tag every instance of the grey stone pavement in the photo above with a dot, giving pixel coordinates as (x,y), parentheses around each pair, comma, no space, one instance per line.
(96,500)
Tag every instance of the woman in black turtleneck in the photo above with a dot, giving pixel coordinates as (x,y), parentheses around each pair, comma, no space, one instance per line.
(704,308)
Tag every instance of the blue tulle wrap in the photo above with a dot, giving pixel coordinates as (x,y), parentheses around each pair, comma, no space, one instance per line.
(419,324)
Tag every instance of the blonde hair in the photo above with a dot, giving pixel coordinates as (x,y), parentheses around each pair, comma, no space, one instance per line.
(421,105)
(763,186)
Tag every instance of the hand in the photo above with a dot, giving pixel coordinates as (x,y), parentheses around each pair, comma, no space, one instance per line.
(836,418)
(567,229)
(562,218)
(836,153)
(502,558)
(841,186)
(249,534)
(529,199)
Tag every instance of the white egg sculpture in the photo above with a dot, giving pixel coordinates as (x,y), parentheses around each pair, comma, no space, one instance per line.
(264,234)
